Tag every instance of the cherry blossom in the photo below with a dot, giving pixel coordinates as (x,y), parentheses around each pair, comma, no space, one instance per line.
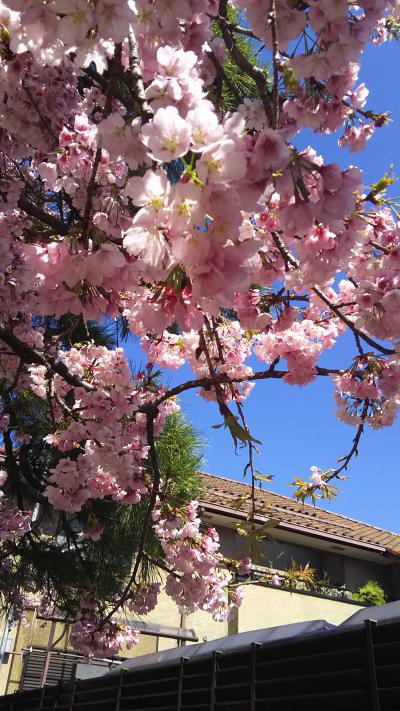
(139,182)
(168,136)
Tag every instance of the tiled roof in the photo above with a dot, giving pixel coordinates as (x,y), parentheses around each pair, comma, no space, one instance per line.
(225,493)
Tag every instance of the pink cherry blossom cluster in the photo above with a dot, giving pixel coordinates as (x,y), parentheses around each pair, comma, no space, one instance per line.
(104,435)
(172,351)
(144,598)
(92,639)
(180,23)
(321,76)
(51,30)
(197,582)
(13,522)
(378,294)
(36,101)
(369,392)
(299,343)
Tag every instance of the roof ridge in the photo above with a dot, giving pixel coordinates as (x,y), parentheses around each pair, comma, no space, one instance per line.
(308,506)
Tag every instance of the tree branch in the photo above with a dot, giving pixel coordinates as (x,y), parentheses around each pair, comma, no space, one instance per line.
(34,211)
(224,379)
(30,355)
(151,414)
(135,81)
(350,324)
(354,450)
(115,69)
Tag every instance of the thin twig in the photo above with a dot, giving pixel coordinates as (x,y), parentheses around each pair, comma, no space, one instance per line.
(350,324)
(221,73)
(162,565)
(30,355)
(354,449)
(115,69)
(292,261)
(223,407)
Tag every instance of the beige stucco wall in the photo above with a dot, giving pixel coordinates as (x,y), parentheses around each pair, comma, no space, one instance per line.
(261,607)
(5,668)
(205,627)
(269,607)
(166,613)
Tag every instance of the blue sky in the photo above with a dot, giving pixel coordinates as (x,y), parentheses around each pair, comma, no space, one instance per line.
(297,426)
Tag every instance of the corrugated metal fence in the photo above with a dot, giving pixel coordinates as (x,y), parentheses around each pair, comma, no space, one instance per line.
(348,670)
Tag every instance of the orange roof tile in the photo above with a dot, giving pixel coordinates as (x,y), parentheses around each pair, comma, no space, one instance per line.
(225,493)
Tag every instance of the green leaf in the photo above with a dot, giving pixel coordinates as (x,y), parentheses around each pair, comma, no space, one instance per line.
(263,477)
(237,503)
(266,527)
(238,433)
(241,531)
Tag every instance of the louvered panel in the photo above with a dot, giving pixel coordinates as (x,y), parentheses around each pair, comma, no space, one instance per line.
(32,669)
(351,700)
(59,668)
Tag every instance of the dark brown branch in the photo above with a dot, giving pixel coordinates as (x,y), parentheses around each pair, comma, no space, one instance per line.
(224,379)
(161,564)
(90,192)
(243,31)
(288,258)
(380,247)
(95,76)
(115,70)
(354,450)
(223,407)
(34,211)
(151,414)
(30,355)
(358,343)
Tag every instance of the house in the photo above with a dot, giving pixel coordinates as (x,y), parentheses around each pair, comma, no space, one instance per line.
(342,552)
